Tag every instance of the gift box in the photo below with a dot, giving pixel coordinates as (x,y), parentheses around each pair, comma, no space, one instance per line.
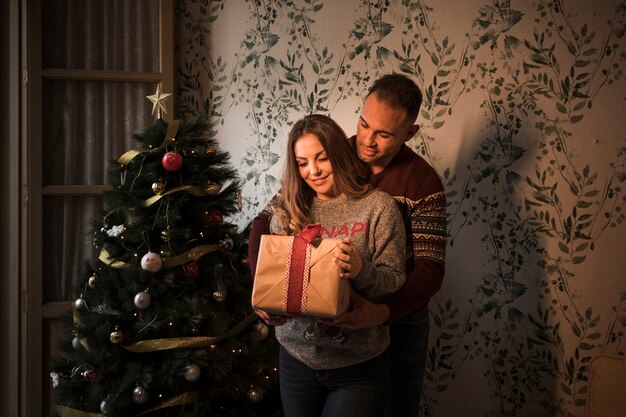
(298,276)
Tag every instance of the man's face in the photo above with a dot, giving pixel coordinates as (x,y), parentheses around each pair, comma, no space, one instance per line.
(380,133)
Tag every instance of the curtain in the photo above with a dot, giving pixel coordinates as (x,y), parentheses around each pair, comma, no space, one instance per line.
(87,124)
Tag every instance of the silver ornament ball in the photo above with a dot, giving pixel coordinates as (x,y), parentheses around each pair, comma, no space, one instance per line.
(105,408)
(192,373)
(80,303)
(143,299)
(140,395)
(76,344)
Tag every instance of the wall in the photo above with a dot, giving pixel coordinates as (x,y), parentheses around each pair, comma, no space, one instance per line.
(523,118)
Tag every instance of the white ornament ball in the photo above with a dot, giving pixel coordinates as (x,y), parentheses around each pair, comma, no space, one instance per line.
(192,373)
(143,299)
(140,395)
(152,262)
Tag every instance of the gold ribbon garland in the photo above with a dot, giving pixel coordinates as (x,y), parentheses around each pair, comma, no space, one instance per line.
(181,399)
(187,342)
(170,135)
(191,255)
(106,258)
(193,190)
(77,322)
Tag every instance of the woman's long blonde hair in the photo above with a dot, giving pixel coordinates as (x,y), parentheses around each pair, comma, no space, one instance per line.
(351,175)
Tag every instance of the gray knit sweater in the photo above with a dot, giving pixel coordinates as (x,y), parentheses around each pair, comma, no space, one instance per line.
(375,226)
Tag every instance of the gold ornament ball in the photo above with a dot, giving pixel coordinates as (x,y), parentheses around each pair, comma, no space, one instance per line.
(92,281)
(211,149)
(116,336)
(226,243)
(165,252)
(219,296)
(255,395)
(158,187)
(212,188)
(245,261)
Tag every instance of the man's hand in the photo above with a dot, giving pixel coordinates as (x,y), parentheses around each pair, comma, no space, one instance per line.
(363,313)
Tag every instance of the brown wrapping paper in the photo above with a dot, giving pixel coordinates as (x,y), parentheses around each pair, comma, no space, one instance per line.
(324,293)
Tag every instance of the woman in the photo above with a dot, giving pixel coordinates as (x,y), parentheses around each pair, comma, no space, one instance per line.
(324,372)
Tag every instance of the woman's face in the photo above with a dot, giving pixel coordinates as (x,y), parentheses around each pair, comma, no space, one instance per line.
(314,166)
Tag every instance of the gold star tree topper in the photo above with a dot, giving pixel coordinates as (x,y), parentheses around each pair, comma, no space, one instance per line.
(158,101)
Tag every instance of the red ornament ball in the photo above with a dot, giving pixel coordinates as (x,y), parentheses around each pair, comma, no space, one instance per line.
(192,269)
(213,217)
(128,338)
(172,161)
(90,375)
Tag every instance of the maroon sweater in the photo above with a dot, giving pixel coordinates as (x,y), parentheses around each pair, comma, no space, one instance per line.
(421,199)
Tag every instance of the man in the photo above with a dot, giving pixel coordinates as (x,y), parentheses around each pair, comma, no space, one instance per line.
(386,122)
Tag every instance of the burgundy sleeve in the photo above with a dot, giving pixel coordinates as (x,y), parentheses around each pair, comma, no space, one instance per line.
(423,280)
(426,227)
(260,226)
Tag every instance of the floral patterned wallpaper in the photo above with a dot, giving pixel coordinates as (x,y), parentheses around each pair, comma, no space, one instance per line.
(523,117)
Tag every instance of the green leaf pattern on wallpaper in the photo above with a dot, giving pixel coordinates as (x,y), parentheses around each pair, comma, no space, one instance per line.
(533,206)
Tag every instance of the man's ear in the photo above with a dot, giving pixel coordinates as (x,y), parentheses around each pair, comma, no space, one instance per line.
(412,131)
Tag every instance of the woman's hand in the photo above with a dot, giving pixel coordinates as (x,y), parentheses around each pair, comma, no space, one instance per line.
(271,319)
(348,258)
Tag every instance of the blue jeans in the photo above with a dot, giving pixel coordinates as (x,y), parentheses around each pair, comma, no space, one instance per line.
(407,356)
(353,391)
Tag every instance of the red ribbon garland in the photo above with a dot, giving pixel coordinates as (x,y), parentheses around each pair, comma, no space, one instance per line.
(297,272)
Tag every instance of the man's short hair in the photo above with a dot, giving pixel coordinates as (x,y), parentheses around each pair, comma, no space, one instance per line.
(398,91)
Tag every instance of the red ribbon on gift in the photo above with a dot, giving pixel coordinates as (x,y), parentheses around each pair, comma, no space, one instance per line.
(297,271)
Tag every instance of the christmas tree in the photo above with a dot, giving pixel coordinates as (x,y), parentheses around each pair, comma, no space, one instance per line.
(162,323)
